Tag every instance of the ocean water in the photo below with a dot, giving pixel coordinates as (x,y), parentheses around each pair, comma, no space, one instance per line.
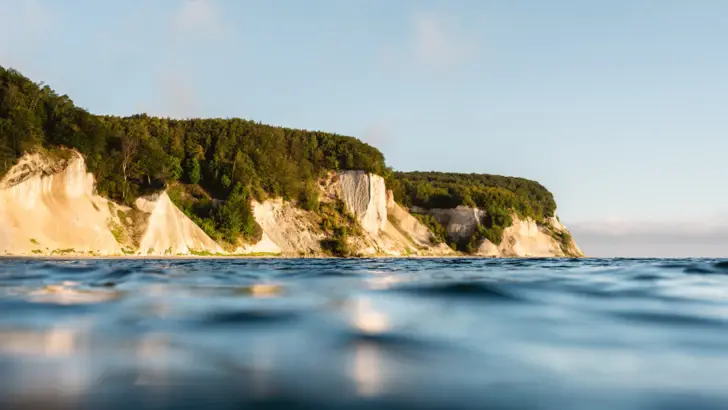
(364,334)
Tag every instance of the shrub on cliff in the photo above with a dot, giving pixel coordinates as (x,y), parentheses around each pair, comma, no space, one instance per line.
(134,155)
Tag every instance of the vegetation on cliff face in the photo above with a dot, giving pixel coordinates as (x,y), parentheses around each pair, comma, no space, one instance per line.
(213,167)
(338,224)
(498,196)
(230,159)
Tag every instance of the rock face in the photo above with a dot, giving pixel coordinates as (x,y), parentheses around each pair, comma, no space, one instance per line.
(48,207)
(460,222)
(169,231)
(390,229)
(291,230)
(264,246)
(412,226)
(524,238)
(365,195)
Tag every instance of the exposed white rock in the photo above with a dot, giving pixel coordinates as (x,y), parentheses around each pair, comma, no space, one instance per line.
(289,228)
(365,195)
(524,238)
(169,231)
(49,207)
(264,245)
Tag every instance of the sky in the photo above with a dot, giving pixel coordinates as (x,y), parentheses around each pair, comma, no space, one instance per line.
(619,107)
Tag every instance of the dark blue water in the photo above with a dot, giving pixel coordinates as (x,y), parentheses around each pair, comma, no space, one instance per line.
(364,334)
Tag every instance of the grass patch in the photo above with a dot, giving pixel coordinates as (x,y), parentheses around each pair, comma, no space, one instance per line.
(117,230)
(253,255)
(201,253)
(63,251)
(36,251)
(236,255)
(33,241)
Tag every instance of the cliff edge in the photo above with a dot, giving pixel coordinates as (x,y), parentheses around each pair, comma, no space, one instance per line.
(48,206)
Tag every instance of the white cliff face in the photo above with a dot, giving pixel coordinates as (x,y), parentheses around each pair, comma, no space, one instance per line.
(290,230)
(410,225)
(264,246)
(169,231)
(388,229)
(50,208)
(365,195)
(524,238)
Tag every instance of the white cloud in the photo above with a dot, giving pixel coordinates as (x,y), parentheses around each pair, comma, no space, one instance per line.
(439,40)
(706,237)
(199,18)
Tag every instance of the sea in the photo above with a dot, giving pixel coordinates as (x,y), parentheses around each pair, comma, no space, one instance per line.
(364,334)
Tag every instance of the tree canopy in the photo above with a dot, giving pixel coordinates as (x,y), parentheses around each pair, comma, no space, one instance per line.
(212,161)
(498,196)
(228,158)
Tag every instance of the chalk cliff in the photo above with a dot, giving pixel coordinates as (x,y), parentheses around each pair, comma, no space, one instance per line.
(48,206)
(169,231)
(524,238)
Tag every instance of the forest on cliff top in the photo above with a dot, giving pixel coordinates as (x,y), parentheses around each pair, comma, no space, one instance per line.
(232,160)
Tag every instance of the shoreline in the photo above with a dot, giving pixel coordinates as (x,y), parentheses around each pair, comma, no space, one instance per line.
(229,257)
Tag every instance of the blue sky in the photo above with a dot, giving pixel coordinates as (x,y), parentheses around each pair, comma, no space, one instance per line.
(619,107)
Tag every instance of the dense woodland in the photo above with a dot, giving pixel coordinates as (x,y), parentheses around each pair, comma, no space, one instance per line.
(230,159)
(498,196)
(233,160)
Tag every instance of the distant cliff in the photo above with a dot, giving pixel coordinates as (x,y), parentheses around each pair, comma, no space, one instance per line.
(78,183)
(48,206)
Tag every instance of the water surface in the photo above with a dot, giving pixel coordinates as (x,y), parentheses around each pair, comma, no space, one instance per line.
(364,334)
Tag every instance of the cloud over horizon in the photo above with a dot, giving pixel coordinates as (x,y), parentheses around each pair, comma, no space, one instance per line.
(678,239)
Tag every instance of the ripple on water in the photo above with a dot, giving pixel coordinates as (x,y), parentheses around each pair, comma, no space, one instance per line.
(671,319)
(250,316)
(473,289)
(482,332)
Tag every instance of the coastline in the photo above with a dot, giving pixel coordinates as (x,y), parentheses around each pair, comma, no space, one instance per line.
(229,257)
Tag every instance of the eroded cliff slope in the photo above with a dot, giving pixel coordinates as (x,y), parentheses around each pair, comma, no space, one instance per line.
(523,238)
(383,227)
(48,206)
